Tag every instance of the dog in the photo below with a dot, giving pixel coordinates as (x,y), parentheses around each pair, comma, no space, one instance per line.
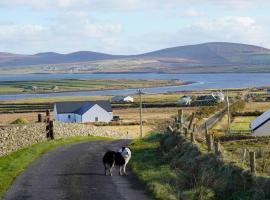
(119,158)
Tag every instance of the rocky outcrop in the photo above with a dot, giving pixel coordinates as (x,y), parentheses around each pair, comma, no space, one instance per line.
(15,137)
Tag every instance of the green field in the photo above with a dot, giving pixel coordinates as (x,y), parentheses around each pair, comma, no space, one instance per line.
(79,85)
(13,164)
(241,123)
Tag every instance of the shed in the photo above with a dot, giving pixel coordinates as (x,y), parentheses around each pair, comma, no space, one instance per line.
(261,125)
(122,99)
(83,111)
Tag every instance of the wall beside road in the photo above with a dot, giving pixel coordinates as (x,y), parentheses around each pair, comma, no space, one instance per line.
(15,137)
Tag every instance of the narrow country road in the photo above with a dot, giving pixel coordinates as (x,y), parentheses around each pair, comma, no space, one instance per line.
(75,172)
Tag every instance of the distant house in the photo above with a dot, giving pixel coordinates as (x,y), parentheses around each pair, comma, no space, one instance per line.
(219,96)
(185,100)
(83,111)
(261,125)
(268,91)
(122,99)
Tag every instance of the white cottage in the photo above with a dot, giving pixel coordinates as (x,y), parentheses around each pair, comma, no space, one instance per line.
(122,99)
(83,111)
(261,125)
(185,101)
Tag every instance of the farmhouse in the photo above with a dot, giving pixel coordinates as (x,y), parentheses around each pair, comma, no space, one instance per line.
(185,101)
(122,99)
(261,125)
(83,111)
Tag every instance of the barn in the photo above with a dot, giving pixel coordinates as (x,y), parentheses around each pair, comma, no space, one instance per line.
(261,125)
(83,111)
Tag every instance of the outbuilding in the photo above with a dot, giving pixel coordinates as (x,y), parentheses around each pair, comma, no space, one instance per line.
(261,125)
(122,99)
(83,111)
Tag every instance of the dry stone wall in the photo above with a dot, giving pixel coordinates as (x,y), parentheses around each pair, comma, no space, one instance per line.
(15,137)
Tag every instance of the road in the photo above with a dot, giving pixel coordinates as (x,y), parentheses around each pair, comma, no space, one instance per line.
(75,172)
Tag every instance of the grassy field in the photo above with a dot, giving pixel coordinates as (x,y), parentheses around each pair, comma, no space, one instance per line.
(260,146)
(80,85)
(241,123)
(256,106)
(13,164)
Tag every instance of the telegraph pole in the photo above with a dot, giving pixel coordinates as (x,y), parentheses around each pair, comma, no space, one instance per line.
(140,94)
(228,113)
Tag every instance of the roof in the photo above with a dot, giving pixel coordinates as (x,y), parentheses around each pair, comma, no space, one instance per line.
(259,121)
(206,98)
(80,107)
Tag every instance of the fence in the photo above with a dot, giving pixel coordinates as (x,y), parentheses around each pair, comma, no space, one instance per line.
(213,145)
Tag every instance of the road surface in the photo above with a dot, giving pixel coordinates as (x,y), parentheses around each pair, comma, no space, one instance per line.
(75,172)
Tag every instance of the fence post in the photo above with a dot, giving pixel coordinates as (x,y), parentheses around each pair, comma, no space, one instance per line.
(170,129)
(185,132)
(217,148)
(206,129)
(244,155)
(192,134)
(47,123)
(252,159)
(191,121)
(51,130)
(39,118)
(209,142)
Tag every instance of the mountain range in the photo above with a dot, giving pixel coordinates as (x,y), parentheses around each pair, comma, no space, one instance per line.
(206,57)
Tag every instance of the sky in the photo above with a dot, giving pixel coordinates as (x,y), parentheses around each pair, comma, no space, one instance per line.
(129,26)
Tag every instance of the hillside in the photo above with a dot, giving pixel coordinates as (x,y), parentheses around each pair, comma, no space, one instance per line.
(207,57)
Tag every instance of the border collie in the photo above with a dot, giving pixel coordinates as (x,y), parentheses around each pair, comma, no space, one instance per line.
(119,158)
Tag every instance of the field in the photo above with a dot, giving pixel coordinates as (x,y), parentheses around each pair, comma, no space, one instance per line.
(241,123)
(80,85)
(261,148)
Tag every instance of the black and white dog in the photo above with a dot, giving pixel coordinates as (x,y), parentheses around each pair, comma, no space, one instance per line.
(119,158)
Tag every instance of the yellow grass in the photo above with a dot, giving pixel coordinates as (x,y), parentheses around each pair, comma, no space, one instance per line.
(257,106)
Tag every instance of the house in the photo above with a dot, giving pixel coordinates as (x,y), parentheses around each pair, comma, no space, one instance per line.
(219,96)
(83,111)
(185,101)
(122,99)
(261,125)
(268,91)
(205,99)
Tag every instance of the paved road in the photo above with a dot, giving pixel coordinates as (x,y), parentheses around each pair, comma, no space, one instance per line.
(75,172)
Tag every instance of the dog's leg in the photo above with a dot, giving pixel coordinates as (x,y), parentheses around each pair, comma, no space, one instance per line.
(111,169)
(120,170)
(125,168)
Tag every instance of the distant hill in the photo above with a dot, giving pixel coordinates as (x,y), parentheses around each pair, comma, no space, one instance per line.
(207,57)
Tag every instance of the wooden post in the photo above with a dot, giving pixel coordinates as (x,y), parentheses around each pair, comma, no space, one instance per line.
(170,129)
(47,123)
(39,118)
(191,121)
(186,132)
(51,130)
(252,159)
(206,129)
(209,142)
(192,134)
(217,148)
(180,115)
(244,155)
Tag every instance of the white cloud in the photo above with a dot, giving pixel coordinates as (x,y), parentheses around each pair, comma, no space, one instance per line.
(192,13)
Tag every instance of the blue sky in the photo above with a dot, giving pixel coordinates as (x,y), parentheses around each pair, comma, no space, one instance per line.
(129,26)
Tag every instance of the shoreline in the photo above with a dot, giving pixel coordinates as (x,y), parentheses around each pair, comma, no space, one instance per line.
(96,90)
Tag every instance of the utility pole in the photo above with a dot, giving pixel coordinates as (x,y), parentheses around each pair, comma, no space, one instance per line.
(140,94)
(228,113)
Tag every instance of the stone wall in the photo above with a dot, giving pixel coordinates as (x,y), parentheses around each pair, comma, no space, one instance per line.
(15,137)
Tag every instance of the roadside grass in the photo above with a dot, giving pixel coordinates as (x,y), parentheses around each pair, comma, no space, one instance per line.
(149,167)
(14,163)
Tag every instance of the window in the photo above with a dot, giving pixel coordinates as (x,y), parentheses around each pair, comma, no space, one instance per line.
(69,116)
(96,119)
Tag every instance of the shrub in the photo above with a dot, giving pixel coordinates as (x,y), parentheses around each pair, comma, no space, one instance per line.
(20,121)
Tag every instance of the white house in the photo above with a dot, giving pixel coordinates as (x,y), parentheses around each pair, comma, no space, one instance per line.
(219,96)
(185,100)
(83,111)
(122,99)
(261,125)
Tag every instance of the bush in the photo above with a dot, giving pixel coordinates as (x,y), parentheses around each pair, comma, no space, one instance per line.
(20,121)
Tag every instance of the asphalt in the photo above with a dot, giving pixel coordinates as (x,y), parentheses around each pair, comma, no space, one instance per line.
(76,172)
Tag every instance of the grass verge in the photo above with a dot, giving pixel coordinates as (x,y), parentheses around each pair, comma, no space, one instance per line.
(149,167)
(14,163)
